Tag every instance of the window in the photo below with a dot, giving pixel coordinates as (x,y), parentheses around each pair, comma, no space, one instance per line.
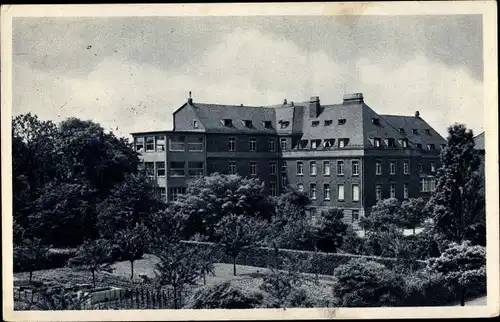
(195,169)
(403,143)
(427,184)
(431,147)
(378,192)
(393,190)
(150,144)
(300,168)
(406,167)
(272,145)
(376,121)
(420,167)
(401,130)
(343,143)
(272,167)
(442,146)
(300,187)
(433,167)
(253,144)
(314,123)
(392,167)
(284,180)
(328,122)
(428,132)
(312,168)
(162,192)
(248,123)
(314,144)
(328,143)
(414,131)
(355,192)
(195,143)
(160,143)
(342,121)
(391,143)
(377,142)
(177,169)
(340,189)
(232,167)
(284,124)
(176,143)
(253,168)
(150,169)
(378,168)
(195,124)
(283,168)
(312,191)
(283,144)
(326,192)
(227,122)
(326,168)
(419,145)
(160,169)
(139,144)
(355,167)
(268,124)
(175,192)
(340,167)
(405,191)
(232,144)
(272,188)
(355,215)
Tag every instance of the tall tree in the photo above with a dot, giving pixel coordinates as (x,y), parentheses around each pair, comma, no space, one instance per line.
(413,212)
(457,205)
(331,230)
(93,256)
(131,244)
(30,256)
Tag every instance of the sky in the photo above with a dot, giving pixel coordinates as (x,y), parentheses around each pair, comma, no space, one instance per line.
(130,73)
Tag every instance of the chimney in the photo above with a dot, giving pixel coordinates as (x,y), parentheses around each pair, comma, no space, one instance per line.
(190,100)
(353,98)
(314,107)
(417,114)
(284,102)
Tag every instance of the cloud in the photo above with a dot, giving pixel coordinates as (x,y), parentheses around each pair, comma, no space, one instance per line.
(250,67)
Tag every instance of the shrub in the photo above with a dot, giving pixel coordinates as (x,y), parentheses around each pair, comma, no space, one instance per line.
(224,296)
(352,243)
(54,259)
(363,283)
(425,288)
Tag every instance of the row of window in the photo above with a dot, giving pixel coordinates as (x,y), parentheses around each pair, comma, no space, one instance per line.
(326,168)
(177,169)
(176,143)
(355,192)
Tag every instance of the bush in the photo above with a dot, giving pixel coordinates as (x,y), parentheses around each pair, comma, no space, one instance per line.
(55,259)
(224,296)
(352,243)
(425,288)
(363,283)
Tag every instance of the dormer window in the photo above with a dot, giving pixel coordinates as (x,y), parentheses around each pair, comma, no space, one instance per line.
(248,123)
(414,131)
(315,144)
(315,123)
(328,143)
(401,130)
(377,142)
(391,143)
(343,143)
(303,144)
(431,147)
(227,122)
(268,124)
(376,121)
(419,145)
(284,124)
(403,143)
(342,121)
(442,146)
(195,124)
(428,132)
(328,122)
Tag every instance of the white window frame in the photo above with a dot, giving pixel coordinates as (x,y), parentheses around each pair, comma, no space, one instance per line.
(300,187)
(283,144)
(253,168)
(378,168)
(232,144)
(392,167)
(378,192)
(158,169)
(340,167)
(273,189)
(340,192)
(159,138)
(180,170)
(272,145)
(313,191)
(406,167)
(300,168)
(405,191)
(272,167)
(151,144)
(326,168)
(195,143)
(392,190)
(326,191)
(353,167)
(313,170)
(253,144)
(232,167)
(355,186)
(174,145)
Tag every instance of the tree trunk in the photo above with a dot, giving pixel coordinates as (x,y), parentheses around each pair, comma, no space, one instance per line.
(93,278)
(413,230)
(204,279)
(131,270)
(175,297)
(234,266)
(462,296)
(31,275)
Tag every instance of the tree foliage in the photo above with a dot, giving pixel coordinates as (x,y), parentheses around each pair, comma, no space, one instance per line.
(30,255)
(131,243)
(331,230)
(224,296)
(93,256)
(413,212)
(457,205)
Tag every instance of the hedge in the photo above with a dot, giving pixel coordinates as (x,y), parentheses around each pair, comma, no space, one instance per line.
(325,264)
(56,258)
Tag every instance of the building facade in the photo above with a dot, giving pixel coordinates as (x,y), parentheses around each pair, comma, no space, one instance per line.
(343,155)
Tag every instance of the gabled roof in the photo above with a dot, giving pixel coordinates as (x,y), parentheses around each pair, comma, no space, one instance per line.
(479,141)
(408,123)
(211,116)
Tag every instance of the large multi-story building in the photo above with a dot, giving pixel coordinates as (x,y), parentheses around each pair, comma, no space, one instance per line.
(343,155)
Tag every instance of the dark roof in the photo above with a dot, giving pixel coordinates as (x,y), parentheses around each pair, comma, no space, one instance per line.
(211,116)
(408,123)
(479,141)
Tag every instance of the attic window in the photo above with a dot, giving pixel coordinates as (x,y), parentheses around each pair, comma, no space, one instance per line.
(328,122)
(419,145)
(403,143)
(376,121)
(414,131)
(303,144)
(342,121)
(343,143)
(431,147)
(284,124)
(227,122)
(401,130)
(391,143)
(195,124)
(315,144)
(377,142)
(268,124)
(315,123)
(248,123)
(328,143)
(428,132)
